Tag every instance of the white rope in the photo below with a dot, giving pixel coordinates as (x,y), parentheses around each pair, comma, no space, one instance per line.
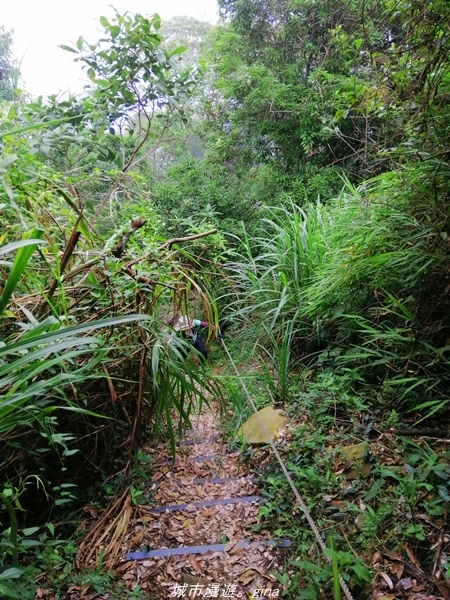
(299,499)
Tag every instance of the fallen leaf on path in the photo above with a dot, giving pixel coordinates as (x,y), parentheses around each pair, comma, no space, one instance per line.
(195,564)
(171,571)
(405,583)
(388,580)
(247,577)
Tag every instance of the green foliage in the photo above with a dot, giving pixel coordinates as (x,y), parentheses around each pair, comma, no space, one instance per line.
(37,366)
(130,70)
(100,143)
(190,199)
(334,115)
(388,509)
(8,68)
(314,85)
(277,374)
(23,255)
(73,396)
(354,275)
(41,551)
(279,75)
(29,549)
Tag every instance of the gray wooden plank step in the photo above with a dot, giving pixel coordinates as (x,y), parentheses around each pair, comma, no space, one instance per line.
(183,550)
(198,458)
(214,480)
(224,480)
(204,457)
(194,441)
(202,503)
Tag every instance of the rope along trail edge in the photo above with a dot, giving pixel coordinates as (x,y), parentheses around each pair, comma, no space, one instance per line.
(299,499)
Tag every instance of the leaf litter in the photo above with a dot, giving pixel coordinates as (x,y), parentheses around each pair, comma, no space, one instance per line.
(238,570)
(397,573)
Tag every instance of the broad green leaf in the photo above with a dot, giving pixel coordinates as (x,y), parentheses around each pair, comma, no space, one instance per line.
(8,160)
(19,265)
(30,530)
(67,48)
(179,50)
(11,573)
(11,247)
(156,21)
(444,493)
(30,543)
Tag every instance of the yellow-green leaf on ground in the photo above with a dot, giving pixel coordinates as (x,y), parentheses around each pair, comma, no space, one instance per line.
(273,420)
(354,457)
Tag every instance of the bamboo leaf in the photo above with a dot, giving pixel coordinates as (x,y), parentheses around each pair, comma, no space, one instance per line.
(67,48)
(28,342)
(20,263)
(8,160)
(8,248)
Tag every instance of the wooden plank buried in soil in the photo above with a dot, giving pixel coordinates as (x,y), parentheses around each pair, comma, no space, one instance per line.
(215,480)
(194,441)
(200,458)
(163,552)
(204,457)
(201,503)
(225,480)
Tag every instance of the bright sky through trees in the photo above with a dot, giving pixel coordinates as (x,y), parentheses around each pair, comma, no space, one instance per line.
(40,27)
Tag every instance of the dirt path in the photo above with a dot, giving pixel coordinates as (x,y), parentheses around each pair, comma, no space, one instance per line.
(198,541)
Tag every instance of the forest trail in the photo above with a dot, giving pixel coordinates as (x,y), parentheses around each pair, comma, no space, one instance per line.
(198,540)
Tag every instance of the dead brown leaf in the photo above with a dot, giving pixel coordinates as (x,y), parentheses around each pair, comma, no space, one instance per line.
(397,569)
(418,587)
(412,557)
(195,564)
(91,510)
(248,576)
(171,571)
(388,580)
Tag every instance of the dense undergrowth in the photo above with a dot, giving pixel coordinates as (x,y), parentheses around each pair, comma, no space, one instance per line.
(360,285)
(377,487)
(88,368)
(353,302)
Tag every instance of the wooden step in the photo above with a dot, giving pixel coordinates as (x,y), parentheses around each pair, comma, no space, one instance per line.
(197,458)
(225,480)
(183,550)
(202,503)
(194,441)
(205,457)
(214,480)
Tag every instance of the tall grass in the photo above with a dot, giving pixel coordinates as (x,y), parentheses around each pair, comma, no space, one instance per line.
(272,271)
(278,361)
(25,249)
(374,244)
(363,275)
(37,367)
